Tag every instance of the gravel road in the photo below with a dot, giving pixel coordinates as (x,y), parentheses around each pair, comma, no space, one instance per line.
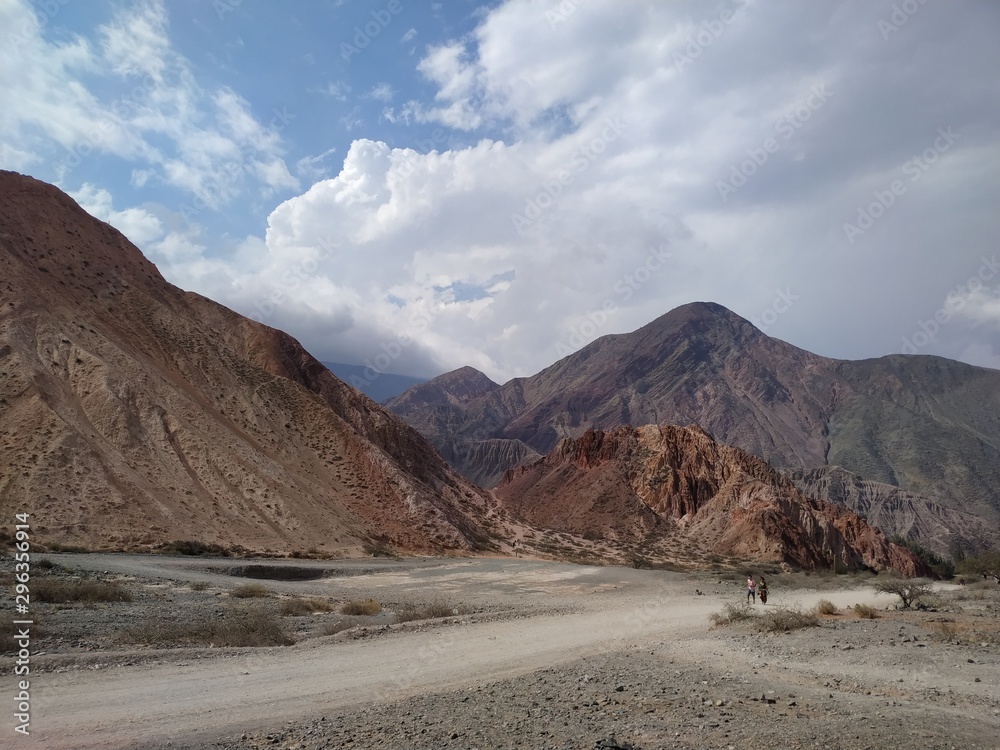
(546,655)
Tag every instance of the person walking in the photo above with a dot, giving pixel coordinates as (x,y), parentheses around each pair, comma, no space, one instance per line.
(762,590)
(751,589)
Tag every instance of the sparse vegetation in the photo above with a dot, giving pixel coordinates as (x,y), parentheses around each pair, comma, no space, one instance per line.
(908,591)
(411,612)
(733,613)
(865,612)
(61,591)
(946,629)
(783,619)
(942,567)
(826,607)
(361,607)
(250,591)
(238,626)
(379,548)
(199,585)
(194,548)
(300,607)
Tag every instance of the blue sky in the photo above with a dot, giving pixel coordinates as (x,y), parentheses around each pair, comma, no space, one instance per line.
(422,186)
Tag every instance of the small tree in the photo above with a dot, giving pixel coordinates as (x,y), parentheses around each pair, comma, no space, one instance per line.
(908,591)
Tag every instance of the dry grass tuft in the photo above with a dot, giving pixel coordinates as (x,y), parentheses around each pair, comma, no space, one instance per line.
(59,591)
(826,607)
(733,613)
(865,612)
(361,607)
(411,612)
(783,619)
(250,591)
(237,626)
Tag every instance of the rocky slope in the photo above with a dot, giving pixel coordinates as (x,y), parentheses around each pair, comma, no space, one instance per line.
(898,512)
(133,413)
(656,485)
(928,425)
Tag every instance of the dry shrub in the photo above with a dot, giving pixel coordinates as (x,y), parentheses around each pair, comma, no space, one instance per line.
(237,626)
(946,629)
(361,607)
(826,607)
(250,591)
(783,619)
(301,607)
(865,612)
(733,613)
(58,591)
(199,585)
(411,612)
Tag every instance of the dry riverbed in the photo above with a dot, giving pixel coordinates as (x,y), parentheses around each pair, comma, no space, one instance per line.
(497,653)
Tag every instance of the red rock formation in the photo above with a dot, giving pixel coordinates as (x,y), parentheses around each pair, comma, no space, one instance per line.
(678,481)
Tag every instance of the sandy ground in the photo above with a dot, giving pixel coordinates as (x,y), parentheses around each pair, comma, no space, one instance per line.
(525,618)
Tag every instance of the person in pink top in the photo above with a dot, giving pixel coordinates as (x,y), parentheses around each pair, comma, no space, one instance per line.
(751,589)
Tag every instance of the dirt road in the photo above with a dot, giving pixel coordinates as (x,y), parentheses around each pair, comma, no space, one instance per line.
(208,698)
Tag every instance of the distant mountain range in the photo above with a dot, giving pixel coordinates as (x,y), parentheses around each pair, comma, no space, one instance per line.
(134,414)
(378,386)
(927,425)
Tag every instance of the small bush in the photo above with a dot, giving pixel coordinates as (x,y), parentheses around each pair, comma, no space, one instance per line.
(58,591)
(411,612)
(733,613)
(379,548)
(8,630)
(199,585)
(826,607)
(783,619)
(865,612)
(361,607)
(250,591)
(301,607)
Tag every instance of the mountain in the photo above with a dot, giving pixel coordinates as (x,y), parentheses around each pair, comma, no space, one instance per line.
(133,413)
(378,386)
(900,513)
(928,425)
(675,491)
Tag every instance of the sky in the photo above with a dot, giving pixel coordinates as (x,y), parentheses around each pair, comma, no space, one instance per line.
(418,186)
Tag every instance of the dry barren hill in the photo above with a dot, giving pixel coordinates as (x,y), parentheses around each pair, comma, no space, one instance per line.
(675,489)
(133,413)
(925,424)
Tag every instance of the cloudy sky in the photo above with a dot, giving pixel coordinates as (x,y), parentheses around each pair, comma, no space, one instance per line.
(421,186)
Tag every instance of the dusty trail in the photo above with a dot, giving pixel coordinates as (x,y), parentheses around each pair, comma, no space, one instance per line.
(206,699)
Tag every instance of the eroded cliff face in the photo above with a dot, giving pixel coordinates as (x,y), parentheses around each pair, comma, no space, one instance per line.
(133,413)
(679,482)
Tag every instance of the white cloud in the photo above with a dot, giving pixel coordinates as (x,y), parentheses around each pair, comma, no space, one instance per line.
(205,141)
(383,92)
